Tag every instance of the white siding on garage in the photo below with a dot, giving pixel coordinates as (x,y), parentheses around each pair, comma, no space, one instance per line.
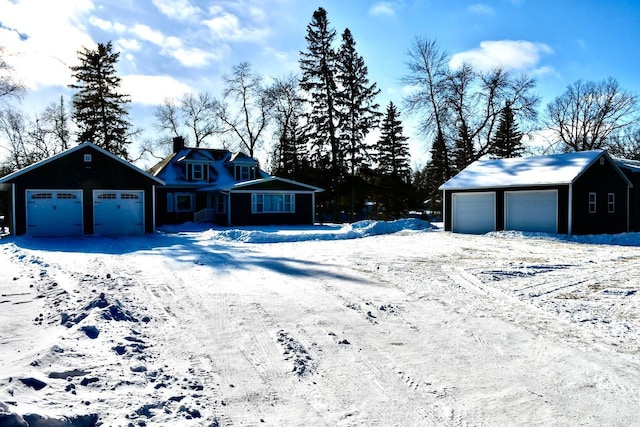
(54,212)
(535,211)
(118,212)
(473,213)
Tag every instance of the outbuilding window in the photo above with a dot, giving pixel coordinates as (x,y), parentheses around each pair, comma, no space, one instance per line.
(273,203)
(592,203)
(611,202)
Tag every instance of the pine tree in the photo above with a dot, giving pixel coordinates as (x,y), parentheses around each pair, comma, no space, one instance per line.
(507,141)
(393,151)
(99,109)
(318,65)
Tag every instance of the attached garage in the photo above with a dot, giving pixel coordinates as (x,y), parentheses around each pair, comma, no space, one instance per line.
(54,212)
(474,213)
(535,211)
(84,190)
(118,212)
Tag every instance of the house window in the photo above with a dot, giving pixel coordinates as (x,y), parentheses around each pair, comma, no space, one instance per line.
(245,173)
(87,158)
(197,172)
(592,203)
(273,203)
(184,202)
(611,202)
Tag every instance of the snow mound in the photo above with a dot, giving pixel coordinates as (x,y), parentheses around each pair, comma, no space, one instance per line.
(622,239)
(276,234)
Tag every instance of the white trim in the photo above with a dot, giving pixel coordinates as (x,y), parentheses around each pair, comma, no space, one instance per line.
(570,211)
(73,150)
(13,210)
(153,208)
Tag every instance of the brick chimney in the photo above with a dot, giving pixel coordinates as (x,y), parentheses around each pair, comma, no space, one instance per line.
(178,144)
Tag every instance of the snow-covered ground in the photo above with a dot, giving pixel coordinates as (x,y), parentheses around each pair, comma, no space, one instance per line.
(375,324)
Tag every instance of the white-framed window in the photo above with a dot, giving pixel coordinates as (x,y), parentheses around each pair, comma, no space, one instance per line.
(244,172)
(611,202)
(273,203)
(183,202)
(592,202)
(197,172)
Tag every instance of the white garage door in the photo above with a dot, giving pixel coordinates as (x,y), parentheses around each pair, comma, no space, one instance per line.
(535,211)
(473,213)
(118,212)
(54,212)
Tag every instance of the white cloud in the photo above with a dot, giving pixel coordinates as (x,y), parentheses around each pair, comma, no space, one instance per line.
(226,26)
(517,55)
(148,34)
(481,9)
(178,9)
(32,46)
(382,8)
(152,90)
(107,25)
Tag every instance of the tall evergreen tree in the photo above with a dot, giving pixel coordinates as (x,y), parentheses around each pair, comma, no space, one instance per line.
(438,170)
(358,110)
(392,149)
(463,153)
(318,66)
(507,141)
(98,107)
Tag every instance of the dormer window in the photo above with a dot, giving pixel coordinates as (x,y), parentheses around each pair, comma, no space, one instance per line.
(245,172)
(197,172)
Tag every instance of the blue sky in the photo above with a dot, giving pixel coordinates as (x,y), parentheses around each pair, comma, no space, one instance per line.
(169,47)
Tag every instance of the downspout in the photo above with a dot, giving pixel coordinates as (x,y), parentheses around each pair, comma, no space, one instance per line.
(153,208)
(444,207)
(570,210)
(13,209)
(313,208)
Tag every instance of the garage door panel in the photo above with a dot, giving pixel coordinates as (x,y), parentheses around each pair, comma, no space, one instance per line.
(473,213)
(118,212)
(534,211)
(54,213)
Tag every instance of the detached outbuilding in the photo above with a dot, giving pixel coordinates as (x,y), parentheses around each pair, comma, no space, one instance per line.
(83,190)
(573,193)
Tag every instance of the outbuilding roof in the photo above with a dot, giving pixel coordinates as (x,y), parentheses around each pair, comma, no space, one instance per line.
(553,169)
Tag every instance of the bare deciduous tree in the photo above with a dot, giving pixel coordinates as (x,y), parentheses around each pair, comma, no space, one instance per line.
(588,113)
(245,111)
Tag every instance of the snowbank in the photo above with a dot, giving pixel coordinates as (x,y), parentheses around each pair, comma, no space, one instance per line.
(278,234)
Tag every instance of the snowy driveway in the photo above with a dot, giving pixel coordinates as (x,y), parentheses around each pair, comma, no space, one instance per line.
(411,328)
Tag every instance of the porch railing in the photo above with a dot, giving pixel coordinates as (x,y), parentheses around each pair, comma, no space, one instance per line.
(206,214)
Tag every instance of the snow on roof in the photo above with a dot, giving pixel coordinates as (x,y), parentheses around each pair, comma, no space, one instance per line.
(523,171)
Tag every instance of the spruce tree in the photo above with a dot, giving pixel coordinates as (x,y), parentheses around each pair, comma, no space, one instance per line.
(358,110)
(318,65)
(98,108)
(507,141)
(392,149)
(438,171)
(463,153)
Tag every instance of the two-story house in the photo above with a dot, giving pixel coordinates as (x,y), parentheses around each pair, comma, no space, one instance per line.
(225,188)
